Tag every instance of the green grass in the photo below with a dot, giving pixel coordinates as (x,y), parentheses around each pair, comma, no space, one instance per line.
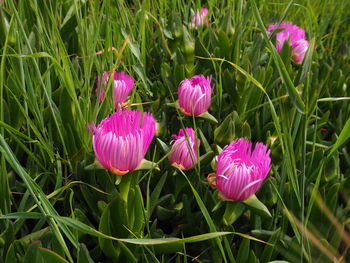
(54,199)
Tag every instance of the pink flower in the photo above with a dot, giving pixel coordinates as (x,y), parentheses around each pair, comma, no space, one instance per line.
(100,90)
(121,140)
(300,50)
(296,37)
(239,171)
(199,18)
(184,153)
(195,95)
(123,84)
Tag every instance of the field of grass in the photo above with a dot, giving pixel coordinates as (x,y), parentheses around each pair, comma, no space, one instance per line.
(58,205)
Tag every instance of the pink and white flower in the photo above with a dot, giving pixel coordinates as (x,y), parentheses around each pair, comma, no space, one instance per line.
(241,171)
(296,38)
(299,51)
(199,18)
(122,139)
(195,95)
(183,151)
(122,85)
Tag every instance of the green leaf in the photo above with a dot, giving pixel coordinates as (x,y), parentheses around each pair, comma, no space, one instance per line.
(11,253)
(333,99)
(50,256)
(96,165)
(172,104)
(229,129)
(38,235)
(22,215)
(84,255)
(243,251)
(343,137)
(207,116)
(170,240)
(207,157)
(224,45)
(270,251)
(179,73)
(155,194)
(147,165)
(226,24)
(106,245)
(246,131)
(7,235)
(251,238)
(204,141)
(163,146)
(118,211)
(31,254)
(139,241)
(139,211)
(232,212)
(254,203)
(252,258)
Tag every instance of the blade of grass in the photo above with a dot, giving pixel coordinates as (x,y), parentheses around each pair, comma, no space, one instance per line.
(43,203)
(5,203)
(49,101)
(138,241)
(207,217)
(343,137)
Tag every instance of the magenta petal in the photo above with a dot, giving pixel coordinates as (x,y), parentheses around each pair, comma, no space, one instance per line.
(299,51)
(121,140)
(241,171)
(296,38)
(183,152)
(122,86)
(199,18)
(195,95)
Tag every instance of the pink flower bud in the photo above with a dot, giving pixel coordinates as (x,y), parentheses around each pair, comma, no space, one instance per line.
(195,95)
(183,151)
(123,84)
(100,89)
(296,38)
(239,171)
(199,18)
(300,50)
(122,139)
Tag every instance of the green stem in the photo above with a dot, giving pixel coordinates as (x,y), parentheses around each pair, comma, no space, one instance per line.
(128,181)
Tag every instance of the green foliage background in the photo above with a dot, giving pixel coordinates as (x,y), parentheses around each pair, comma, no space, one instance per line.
(56,206)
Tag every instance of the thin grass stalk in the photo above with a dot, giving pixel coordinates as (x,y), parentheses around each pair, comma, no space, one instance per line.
(43,204)
(14,10)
